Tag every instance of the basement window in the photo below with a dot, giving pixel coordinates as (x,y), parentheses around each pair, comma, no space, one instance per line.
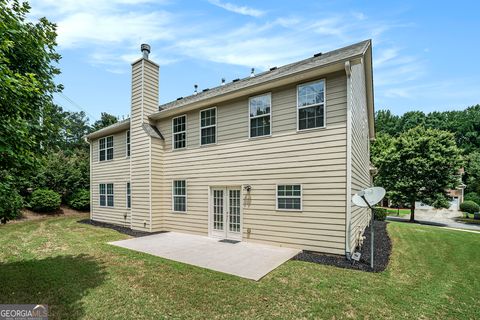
(105,147)
(106,194)
(179,128)
(260,115)
(179,200)
(311,105)
(289,197)
(208,126)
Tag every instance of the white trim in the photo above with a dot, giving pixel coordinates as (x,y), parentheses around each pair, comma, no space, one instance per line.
(106,148)
(200,127)
(150,178)
(348,211)
(173,133)
(289,184)
(324,80)
(226,198)
(91,178)
(173,196)
(269,94)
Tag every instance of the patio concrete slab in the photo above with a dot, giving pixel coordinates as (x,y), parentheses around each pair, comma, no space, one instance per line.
(243,259)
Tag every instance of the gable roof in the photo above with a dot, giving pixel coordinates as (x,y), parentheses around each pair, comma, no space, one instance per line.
(113,128)
(318,60)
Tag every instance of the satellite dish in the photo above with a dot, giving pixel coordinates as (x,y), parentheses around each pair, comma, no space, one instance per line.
(368,197)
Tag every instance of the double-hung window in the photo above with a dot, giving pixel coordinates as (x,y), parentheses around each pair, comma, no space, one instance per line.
(106,194)
(289,197)
(260,115)
(311,105)
(179,125)
(128,143)
(208,126)
(105,147)
(179,191)
(129,196)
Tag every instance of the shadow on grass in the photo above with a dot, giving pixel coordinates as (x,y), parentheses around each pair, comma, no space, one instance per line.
(61,282)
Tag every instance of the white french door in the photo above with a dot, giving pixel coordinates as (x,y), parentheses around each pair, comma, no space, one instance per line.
(226,213)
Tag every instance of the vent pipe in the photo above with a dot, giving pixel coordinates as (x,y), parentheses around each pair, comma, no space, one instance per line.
(195,86)
(145,48)
(223,81)
(252,74)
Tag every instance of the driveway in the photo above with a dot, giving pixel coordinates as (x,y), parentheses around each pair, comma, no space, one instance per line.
(243,259)
(437,217)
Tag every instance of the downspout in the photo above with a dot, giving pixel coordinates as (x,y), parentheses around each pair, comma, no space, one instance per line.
(348,217)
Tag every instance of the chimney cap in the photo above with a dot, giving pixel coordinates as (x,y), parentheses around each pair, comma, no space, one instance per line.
(145,47)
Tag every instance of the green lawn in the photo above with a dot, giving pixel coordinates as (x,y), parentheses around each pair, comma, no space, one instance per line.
(433,274)
(469,220)
(394,212)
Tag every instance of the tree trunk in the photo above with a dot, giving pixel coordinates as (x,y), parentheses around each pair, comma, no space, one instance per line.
(412,211)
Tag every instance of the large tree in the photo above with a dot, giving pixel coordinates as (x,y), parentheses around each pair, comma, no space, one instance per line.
(419,165)
(27,70)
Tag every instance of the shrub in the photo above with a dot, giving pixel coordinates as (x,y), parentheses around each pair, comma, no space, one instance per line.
(80,200)
(473,196)
(380,214)
(10,203)
(469,207)
(44,200)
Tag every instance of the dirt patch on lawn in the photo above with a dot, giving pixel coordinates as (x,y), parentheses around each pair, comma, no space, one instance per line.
(124,230)
(27,215)
(383,249)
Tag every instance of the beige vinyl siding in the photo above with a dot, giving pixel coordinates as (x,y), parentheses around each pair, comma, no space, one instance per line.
(315,158)
(157,185)
(116,171)
(144,103)
(360,151)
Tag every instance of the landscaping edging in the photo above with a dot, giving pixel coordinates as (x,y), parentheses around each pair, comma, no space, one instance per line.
(383,249)
(124,230)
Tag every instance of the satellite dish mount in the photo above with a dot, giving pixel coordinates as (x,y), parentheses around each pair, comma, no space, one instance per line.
(367,198)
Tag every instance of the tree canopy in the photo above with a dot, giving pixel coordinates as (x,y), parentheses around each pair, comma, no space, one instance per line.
(418,165)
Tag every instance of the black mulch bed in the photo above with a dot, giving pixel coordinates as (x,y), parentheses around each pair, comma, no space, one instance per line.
(124,230)
(383,249)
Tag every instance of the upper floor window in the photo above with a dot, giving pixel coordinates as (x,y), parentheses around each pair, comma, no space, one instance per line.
(311,105)
(260,115)
(289,197)
(106,194)
(105,148)
(179,125)
(179,191)
(129,196)
(128,143)
(208,126)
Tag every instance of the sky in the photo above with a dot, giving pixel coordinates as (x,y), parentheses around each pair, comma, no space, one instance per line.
(425,52)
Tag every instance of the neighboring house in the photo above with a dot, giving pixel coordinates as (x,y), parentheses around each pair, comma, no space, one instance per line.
(272,158)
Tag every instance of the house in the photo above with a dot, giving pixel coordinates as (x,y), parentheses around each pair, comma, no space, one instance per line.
(272,158)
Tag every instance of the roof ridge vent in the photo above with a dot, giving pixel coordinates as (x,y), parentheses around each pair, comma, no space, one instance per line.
(318,54)
(179,98)
(273,68)
(205,90)
(235,80)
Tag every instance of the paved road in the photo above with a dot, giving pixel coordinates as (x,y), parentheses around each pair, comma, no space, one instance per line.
(440,218)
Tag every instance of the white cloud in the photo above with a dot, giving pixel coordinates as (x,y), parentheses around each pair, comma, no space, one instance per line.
(244,10)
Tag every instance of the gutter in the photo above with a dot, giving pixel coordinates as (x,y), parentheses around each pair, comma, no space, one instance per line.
(348,212)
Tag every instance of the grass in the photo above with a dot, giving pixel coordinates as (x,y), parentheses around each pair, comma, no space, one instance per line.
(433,274)
(394,212)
